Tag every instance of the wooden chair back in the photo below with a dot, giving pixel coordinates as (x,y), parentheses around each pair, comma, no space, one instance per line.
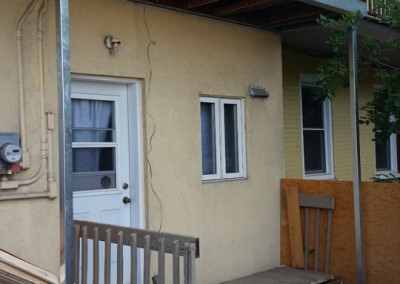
(313,204)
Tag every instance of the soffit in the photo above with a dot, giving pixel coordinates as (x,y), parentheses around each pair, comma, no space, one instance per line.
(271,15)
(311,40)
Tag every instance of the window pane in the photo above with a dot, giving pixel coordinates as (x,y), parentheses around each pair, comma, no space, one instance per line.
(312,108)
(92,135)
(208,143)
(93,181)
(92,121)
(314,151)
(93,159)
(382,155)
(231,138)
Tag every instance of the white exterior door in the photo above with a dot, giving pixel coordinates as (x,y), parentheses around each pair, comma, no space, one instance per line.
(105,153)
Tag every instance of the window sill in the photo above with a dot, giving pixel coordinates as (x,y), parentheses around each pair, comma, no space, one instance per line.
(387,175)
(223,180)
(319,176)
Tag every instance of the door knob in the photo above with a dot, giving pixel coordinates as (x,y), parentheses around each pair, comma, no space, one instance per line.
(126,200)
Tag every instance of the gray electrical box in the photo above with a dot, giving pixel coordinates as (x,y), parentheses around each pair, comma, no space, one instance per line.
(10,153)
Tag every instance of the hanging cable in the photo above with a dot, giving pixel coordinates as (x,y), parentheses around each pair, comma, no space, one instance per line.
(150,43)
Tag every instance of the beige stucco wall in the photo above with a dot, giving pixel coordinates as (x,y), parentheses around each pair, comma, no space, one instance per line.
(294,64)
(29,228)
(237,221)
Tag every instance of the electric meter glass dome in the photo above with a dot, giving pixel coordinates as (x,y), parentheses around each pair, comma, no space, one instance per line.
(10,153)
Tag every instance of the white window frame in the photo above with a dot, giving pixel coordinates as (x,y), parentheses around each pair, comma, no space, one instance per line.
(393,158)
(393,151)
(116,145)
(310,80)
(219,124)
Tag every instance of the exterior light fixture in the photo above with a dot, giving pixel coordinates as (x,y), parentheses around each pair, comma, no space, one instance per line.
(112,43)
(258,92)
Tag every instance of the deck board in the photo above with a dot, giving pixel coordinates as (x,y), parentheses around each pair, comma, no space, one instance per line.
(285,275)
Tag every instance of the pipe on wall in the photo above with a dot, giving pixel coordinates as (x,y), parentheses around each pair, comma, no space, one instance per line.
(25,162)
(46,142)
(43,143)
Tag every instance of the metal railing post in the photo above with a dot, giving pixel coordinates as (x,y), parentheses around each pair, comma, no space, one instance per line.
(65,150)
(356,156)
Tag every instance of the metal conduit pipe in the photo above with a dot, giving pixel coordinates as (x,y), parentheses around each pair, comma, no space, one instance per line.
(41,13)
(38,174)
(25,163)
(51,183)
(29,195)
(45,146)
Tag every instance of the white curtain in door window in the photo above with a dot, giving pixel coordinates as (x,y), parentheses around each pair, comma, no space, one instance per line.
(90,119)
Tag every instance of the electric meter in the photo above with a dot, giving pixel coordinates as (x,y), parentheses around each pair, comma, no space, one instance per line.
(10,153)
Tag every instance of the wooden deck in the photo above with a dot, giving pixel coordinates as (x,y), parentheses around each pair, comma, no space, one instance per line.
(285,275)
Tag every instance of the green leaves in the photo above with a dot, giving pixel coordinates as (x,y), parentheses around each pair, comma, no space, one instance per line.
(384,110)
(391,15)
(333,74)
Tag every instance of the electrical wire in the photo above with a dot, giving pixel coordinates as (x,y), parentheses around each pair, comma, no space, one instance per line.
(150,43)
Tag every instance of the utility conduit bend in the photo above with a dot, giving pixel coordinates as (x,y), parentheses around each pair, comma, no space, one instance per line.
(46,153)
(43,143)
(25,163)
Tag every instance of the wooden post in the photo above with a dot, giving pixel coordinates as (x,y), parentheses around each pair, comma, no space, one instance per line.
(294,220)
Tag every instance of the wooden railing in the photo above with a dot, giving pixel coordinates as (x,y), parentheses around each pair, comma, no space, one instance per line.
(375,9)
(129,241)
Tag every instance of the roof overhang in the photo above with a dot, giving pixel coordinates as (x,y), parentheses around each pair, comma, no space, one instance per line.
(311,40)
(339,6)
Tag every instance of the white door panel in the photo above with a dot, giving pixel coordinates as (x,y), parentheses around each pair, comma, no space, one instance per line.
(100,152)
(104,146)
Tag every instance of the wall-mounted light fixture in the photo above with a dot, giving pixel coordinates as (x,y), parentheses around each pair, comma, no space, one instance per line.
(112,43)
(258,92)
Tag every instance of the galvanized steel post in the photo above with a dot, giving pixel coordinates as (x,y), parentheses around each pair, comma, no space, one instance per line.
(65,144)
(356,157)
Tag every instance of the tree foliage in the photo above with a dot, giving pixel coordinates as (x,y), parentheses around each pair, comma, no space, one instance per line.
(383,111)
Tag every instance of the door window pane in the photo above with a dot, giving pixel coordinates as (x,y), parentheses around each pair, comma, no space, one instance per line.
(231,139)
(93,181)
(208,141)
(93,159)
(92,121)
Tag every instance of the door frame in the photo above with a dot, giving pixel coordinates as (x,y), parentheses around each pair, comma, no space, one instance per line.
(134,96)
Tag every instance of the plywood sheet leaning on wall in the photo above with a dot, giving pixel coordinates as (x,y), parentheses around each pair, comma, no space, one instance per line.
(381,213)
(381,208)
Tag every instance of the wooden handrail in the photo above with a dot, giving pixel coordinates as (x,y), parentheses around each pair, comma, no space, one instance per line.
(177,245)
